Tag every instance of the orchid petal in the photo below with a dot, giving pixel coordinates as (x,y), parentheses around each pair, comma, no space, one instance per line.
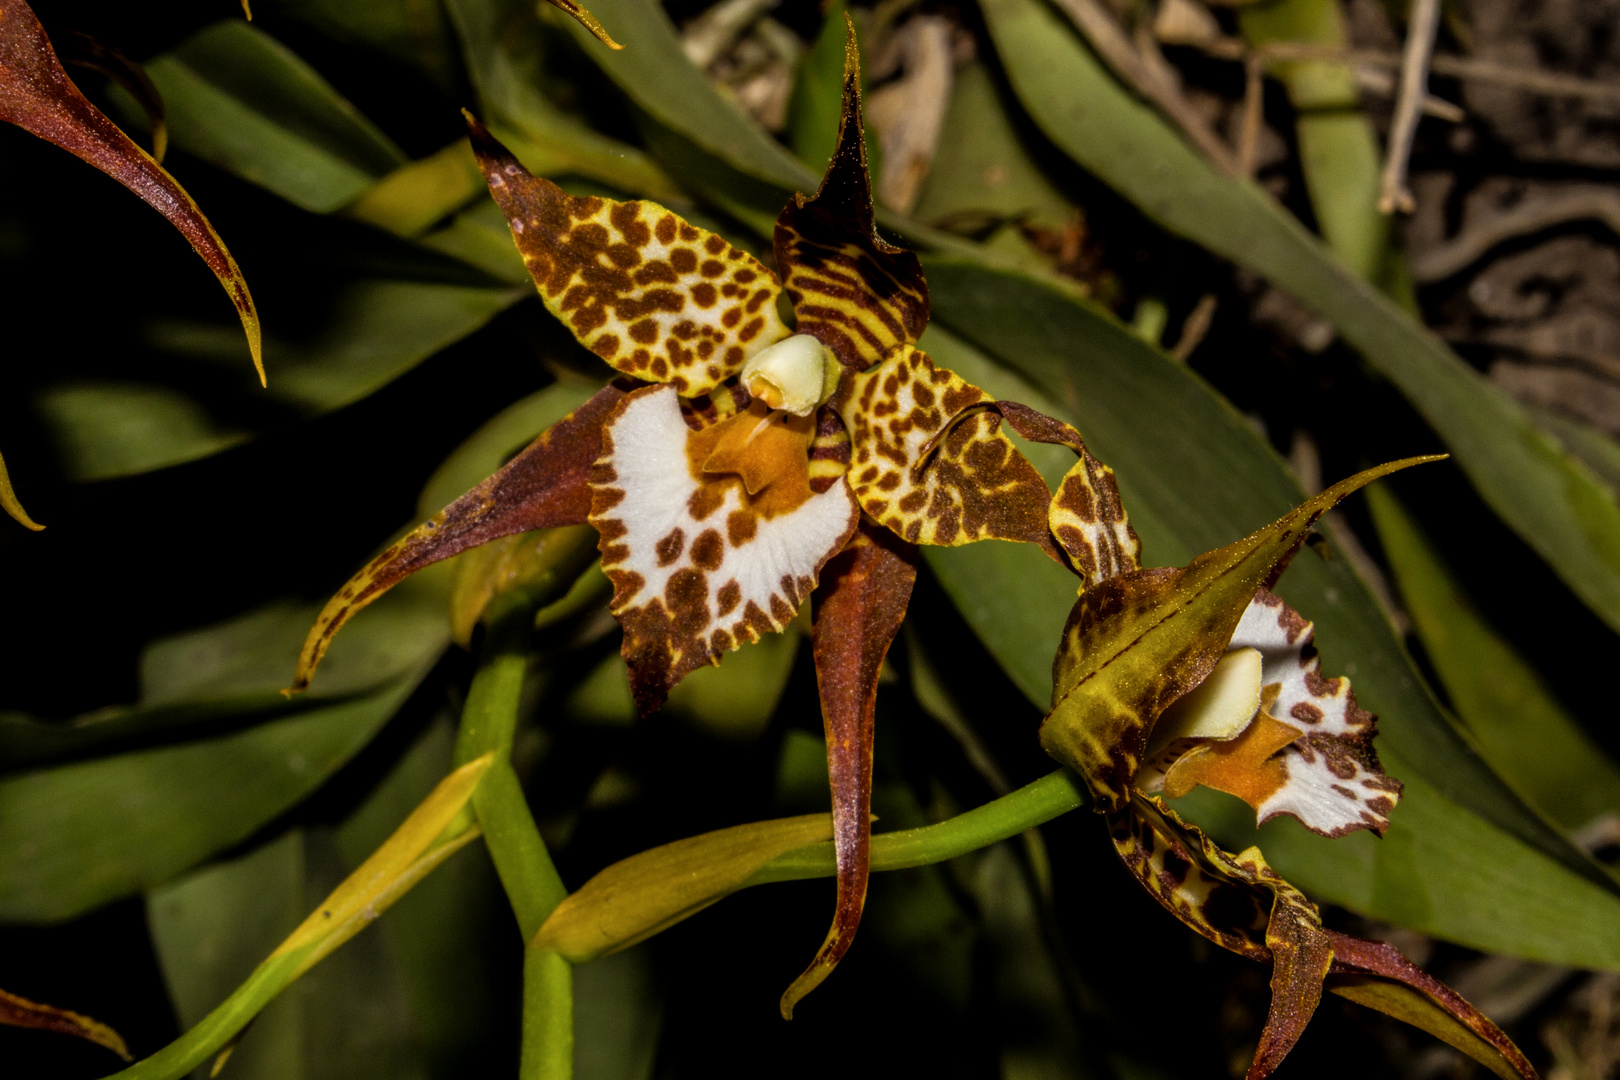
(1241,904)
(699,563)
(1137,642)
(1300,957)
(931,465)
(577,10)
(654,296)
(857,612)
(20,1012)
(1229,899)
(1334,784)
(1221,707)
(1376,975)
(1087,516)
(37,95)
(858,295)
(544,486)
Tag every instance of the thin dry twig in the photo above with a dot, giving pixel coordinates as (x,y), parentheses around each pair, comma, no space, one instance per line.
(1197,325)
(707,37)
(1531,80)
(1531,216)
(1253,113)
(1110,40)
(909,114)
(1422,26)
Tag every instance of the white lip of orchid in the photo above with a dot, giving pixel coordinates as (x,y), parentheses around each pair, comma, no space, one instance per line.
(1219,708)
(796,374)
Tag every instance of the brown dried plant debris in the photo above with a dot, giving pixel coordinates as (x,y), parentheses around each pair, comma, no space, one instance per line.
(750,55)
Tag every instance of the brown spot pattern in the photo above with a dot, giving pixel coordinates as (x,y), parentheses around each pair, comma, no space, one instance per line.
(856,293)
(702,610)
(646,291)
(928,459)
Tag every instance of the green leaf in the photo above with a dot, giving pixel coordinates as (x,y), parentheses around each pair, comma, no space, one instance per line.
(233,671)
(211,928)
(1520,472)
(983,177)
(1520,727)
(655,73)
(377,330)
(435,830)
(818,93)
(241,100)
(1338,148)
(412,32)
(77,836)
(104,428)
(618,1014)
(1218,480)
(501,44)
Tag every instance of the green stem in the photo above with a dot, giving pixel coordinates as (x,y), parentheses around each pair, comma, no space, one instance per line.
(548,1015)
(1033,804)
(489,723)
(219,1027)
(533,887)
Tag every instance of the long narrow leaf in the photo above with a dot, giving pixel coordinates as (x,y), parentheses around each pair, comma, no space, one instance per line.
(1558,508)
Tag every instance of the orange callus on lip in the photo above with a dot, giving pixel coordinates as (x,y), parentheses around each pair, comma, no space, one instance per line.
(768,451)
(1246,766)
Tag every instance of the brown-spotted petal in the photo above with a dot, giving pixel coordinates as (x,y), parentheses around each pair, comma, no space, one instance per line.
(928,459)
(545,486)
(585,19)
(10,503)
(711,533)
(37,96)
(20,1012)
(1239,903)
(1378,976)
(655,296)
(1301,954)
(1333,783)
(1086,517)
(1137,642)
(859,295)
(857,612)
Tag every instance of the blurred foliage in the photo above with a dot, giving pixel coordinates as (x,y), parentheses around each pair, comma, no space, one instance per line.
(167,817)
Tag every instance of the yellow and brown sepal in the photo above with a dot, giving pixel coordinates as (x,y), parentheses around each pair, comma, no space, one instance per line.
(1241,904)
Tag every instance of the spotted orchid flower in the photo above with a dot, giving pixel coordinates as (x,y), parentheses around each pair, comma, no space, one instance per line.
(1173,678)
(737,466)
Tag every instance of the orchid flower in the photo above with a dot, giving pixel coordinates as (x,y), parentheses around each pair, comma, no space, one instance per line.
(1168,679)
(738,467)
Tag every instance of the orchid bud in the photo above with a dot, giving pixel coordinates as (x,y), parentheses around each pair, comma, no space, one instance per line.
(795,375)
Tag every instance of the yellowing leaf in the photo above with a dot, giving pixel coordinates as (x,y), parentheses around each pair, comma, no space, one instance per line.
(406,857)
(585,19)
(634,899)
(9,503)
(20,1012)
(1138,642)
(1418,1009)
